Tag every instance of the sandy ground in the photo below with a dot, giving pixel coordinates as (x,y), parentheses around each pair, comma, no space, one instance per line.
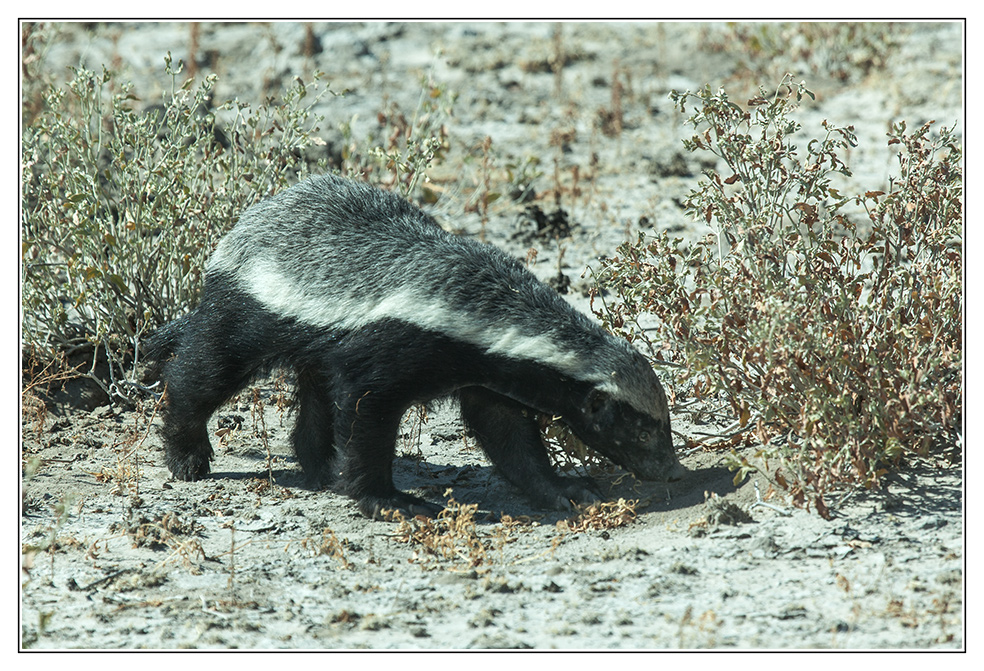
(252,559)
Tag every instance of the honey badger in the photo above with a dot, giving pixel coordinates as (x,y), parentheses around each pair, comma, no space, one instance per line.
(376,308)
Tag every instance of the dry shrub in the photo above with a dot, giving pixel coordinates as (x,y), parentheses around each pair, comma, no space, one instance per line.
(159,533)
(127,445)
(38,374)
(168,532)
(603,515)
(845,51)
(830,324)
(452,536)
(402,151)
(328,545)
(566,450)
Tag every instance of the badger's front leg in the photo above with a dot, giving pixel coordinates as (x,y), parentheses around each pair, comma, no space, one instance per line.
(510,435)
(366,426)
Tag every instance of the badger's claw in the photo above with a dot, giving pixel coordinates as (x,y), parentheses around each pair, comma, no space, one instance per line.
(571,492)
(191,467)
(384,507)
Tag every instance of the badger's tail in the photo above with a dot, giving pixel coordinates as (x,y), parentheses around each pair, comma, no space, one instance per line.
(160,345)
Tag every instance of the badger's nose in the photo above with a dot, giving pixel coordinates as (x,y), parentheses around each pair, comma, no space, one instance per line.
(677,472)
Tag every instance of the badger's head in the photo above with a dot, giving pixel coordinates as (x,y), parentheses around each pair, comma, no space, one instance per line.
(626,418)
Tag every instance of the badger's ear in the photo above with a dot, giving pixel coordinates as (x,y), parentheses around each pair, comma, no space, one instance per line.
(595,403)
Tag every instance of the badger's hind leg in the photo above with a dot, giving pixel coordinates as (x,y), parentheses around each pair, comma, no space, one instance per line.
(510,435)
(219,349)
(197,382)
(366,426)
(313,436)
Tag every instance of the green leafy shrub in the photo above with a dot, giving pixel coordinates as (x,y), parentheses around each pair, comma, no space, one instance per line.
(834,336)
(121,206)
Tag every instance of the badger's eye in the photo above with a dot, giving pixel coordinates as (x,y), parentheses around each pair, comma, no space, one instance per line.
(643,436)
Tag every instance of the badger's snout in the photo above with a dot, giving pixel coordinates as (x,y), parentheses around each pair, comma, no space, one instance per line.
(660,467)
(677,472)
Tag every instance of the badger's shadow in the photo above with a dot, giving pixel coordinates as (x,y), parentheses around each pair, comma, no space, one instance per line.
(690,491)
(482,485)
(291,478)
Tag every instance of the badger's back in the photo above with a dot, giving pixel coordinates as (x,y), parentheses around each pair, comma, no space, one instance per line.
(338,254)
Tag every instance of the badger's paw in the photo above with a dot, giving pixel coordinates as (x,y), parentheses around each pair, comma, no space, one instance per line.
(189,467)
(569,493)
(390,507)
(582,491)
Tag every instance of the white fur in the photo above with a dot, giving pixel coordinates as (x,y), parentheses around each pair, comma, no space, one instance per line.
(349,311)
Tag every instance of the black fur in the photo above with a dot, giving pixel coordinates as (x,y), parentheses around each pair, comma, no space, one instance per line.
(355,382)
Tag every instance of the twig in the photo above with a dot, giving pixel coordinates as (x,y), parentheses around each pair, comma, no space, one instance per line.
(760,502)
(206,609)
(683,405)
(693,450)
(727,433)
(93,585)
